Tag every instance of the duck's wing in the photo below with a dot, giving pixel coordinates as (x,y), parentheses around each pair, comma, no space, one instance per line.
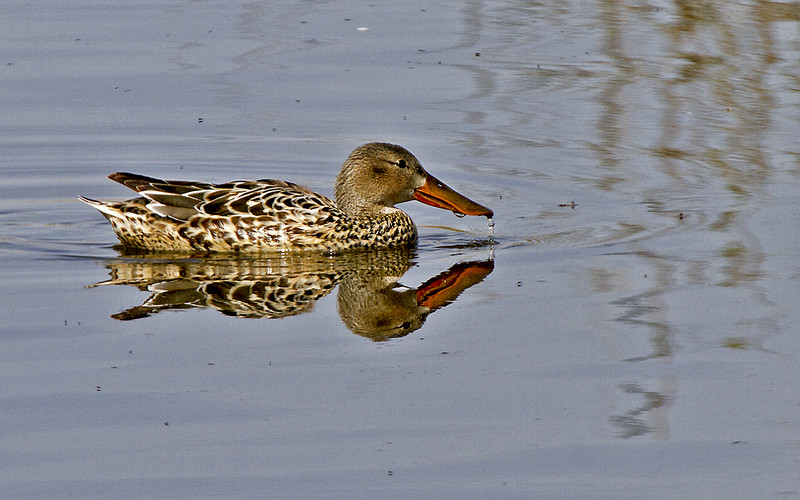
(269,198)
(265,197)
(142,183)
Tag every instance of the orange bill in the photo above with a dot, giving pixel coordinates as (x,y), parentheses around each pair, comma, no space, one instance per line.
(436,194)
(445,287)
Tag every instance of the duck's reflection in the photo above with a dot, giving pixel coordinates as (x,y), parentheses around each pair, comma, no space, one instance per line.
(371,303)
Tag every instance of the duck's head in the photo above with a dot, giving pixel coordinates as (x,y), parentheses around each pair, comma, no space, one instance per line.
(376,176)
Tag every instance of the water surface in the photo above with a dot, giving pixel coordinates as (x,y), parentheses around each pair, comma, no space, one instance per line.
(633,329)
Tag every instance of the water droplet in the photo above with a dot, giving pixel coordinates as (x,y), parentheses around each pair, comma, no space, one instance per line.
(459,214)
(490,223)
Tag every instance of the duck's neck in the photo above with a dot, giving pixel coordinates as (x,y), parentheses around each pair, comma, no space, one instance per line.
(391,228)
(368,210)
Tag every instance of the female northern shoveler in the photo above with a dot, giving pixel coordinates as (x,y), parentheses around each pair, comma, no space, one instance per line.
(268,215)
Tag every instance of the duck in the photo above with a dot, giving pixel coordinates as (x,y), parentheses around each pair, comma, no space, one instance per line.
(269,215)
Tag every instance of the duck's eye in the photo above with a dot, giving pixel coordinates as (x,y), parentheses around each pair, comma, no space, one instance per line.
(401,163)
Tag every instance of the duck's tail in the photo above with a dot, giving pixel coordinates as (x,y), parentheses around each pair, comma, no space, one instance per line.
(108,209)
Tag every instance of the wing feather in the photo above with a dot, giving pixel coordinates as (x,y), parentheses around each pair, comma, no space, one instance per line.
(268,199)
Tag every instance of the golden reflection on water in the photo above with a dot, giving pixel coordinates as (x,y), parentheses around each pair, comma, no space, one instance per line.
(370,301)
(702,76)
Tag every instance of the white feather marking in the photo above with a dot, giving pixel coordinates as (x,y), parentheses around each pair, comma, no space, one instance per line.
(177,213)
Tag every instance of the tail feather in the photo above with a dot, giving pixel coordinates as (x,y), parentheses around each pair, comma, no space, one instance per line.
(107,209)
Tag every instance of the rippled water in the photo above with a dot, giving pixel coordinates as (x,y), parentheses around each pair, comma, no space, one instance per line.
(629,330)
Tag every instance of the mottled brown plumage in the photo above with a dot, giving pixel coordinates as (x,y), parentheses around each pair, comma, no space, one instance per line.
(268,215)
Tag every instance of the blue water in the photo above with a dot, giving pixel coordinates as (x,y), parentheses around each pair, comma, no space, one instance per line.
(635,338)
